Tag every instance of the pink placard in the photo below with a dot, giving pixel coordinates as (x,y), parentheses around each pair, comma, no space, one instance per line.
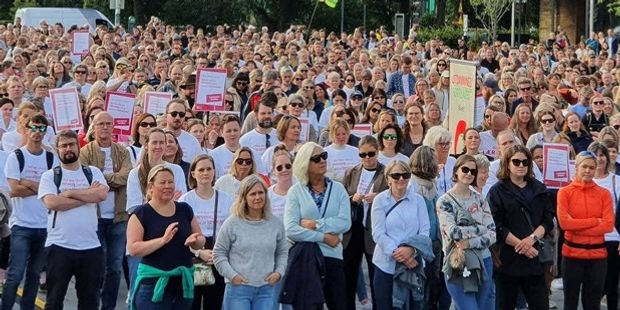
(556,172)
(362,130)
(80,43)
(120,106)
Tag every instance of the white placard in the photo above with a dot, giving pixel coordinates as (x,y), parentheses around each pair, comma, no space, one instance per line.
(66,109)
(556,172)
(156,102)
(210,89)
(120,106)
(304,135)
(81,43)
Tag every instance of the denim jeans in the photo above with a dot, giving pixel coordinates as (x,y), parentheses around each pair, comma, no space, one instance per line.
(144,297)
(27,254)
(483,300)
(113,238)
(245,297)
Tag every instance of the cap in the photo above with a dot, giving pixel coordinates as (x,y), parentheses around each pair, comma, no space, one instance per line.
(357,94)
(491,83)
(190,80)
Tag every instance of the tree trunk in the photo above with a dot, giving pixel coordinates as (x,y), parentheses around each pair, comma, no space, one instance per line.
(440,13)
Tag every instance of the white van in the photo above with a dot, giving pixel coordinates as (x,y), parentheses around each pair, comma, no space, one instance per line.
(68,17)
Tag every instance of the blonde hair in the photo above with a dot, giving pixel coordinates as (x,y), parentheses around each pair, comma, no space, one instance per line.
(151,176)
(302,161)
(240,206)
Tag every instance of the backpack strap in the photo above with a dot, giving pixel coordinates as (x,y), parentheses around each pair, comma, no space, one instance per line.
(57,177)
(50,159)
(88,174)
(20,159)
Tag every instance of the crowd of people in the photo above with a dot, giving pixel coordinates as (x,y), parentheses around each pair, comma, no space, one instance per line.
(274,202)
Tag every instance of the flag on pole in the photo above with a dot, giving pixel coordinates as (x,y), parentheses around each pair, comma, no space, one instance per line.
(331,3)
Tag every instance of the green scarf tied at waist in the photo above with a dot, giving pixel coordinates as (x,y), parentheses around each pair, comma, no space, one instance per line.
(146,271)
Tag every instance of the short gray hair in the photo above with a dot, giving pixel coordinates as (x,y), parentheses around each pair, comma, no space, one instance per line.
(482,161)
(436,134)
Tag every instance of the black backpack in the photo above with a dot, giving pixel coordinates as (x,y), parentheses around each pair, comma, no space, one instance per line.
(21,161)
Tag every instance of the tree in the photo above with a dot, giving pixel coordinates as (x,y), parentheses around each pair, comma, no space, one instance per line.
(490,12)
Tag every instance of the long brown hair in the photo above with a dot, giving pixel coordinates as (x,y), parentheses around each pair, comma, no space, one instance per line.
(145,166)
(135,135)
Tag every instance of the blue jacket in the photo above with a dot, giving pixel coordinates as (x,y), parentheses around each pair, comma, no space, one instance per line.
(395,84)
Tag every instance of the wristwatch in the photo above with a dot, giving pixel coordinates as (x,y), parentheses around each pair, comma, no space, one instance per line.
(535,238)
(197,253)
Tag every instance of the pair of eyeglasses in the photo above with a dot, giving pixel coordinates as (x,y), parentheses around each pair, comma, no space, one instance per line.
(148,124)
(398,176)
(467,170)
(279,168)
(244,162)
(547,120)
(522,162)
(35,128)
(176,113)
(368,154)
(296,104)
(317,158)
(390,137)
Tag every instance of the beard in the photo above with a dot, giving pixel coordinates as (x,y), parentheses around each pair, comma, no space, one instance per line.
(68,158)
(265,124)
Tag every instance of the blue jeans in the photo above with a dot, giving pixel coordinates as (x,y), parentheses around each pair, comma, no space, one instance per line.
(245,297)
(483,300)
(144,297)
(384,283)
(361,286)
(27,254)
(113,238)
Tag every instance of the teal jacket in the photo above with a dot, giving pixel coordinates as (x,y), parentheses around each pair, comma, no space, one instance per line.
(146,271)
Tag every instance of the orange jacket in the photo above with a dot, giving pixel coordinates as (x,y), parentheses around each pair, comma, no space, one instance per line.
(585,213)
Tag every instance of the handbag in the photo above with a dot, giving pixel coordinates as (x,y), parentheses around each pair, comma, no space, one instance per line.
(203,272)
(544,247)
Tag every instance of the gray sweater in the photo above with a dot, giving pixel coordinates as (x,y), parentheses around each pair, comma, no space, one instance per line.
(252,249)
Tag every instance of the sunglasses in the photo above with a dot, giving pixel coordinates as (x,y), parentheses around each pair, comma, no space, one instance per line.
(441,65)
(390,137)
(349,80)
(80,72)
(242,83)
(175,114)
(598,102)
(282,167)
(616,127)
(368,154)
(296,104)
(356,98)
(547,121)
(373,110)
(525,88)
(520,162)
(308,87)
(487,116)
(467,170)
(148,124)
(298,79)
(2,95)
(398,176)
(35,128)
(587,154)
(244,162)
(317,158)
(378,97)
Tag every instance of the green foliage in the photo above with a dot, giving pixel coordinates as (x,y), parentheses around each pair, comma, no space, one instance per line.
(448,34)
(427,20)
(18,4)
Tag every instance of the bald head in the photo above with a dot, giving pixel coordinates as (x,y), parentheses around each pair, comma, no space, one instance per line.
(102,125)
(499,122)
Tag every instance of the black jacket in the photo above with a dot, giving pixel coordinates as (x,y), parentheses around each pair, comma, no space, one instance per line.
(304,278)
(506,202)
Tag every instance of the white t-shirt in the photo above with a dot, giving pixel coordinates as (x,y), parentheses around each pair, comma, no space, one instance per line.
(228,184)
(4,185)
(204,210)
(608,183)
(324,119)
(134,150)
(11,140)
(29,212)
(122,88)
(222,157)
(277,203)
(106,207)
(74,229)
(383,159)
(84,89)
(10,127)
(311,116)
(339,160)
(189,145)
(257,142)
(136,198)
(488,144)
(444,180)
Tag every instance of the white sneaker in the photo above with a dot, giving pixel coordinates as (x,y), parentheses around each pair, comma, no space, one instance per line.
(557,284)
